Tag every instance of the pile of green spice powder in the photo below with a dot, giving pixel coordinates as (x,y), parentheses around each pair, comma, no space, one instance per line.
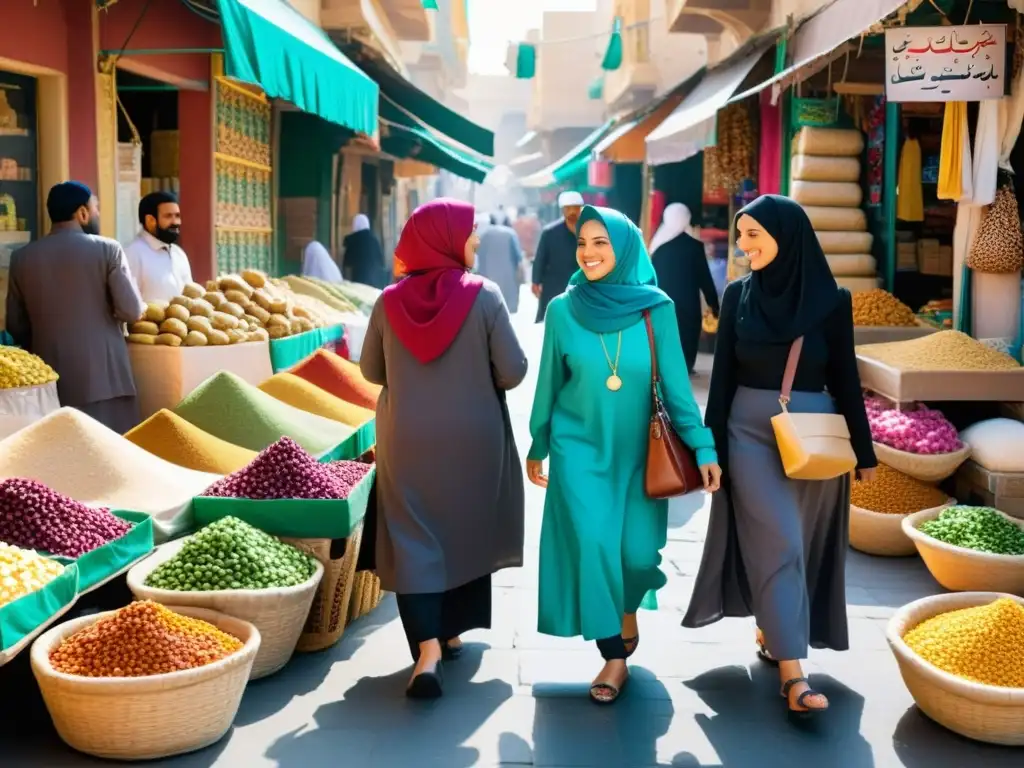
(982,529)
(231,554)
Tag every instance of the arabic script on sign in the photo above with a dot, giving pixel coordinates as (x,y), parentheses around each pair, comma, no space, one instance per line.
(945,63)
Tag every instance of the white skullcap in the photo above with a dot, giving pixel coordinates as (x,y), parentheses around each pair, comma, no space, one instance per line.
(567,199)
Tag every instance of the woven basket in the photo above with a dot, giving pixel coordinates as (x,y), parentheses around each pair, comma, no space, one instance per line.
(929,468)
(325,621)
(366,594)
(964,570)
(981,712)
(146,718)
(277,613)
(881,534)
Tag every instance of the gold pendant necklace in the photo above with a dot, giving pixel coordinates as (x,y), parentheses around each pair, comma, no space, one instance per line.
(613,382)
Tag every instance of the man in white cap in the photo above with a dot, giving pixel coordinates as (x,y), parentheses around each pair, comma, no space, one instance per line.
(555,262)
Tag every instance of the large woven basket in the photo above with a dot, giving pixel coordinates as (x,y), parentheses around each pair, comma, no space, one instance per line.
(929,468)
(146,718)
(325,622)
(982,712)
(366,594)
(277,613)
(881,534)
(964,570)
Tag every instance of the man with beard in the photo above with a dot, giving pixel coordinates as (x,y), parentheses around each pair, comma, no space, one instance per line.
(555,262)
(159,268)
(67,297)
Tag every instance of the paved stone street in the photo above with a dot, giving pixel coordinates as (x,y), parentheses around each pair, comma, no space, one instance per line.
(516,698)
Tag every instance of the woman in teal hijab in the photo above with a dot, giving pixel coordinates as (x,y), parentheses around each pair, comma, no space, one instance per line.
(601,539)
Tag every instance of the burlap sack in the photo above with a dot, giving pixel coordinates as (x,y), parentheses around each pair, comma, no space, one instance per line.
(999,247)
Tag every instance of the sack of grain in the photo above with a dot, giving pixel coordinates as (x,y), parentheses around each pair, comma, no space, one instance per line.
(845,242)
(852,264)
(844,194)
(825,219)
(817,168)
(858,284)
(828,142)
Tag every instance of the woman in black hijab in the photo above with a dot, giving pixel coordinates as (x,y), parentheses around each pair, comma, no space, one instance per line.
(364,258)
(776,547)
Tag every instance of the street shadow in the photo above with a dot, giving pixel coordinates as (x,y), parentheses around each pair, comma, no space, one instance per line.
(891,582)
(306,671)
(922,743)
(570,729)
(417,733)
(682,509)
(746,703)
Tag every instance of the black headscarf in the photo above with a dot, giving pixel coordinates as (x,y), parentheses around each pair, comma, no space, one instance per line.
(796,291)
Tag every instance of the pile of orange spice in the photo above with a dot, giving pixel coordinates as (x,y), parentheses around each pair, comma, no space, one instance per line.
(141,639)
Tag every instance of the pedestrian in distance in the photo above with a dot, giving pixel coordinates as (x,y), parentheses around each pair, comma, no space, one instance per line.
(555,261)
(601,537)
(776,546)
(450,496)
(684,274)
(498,259)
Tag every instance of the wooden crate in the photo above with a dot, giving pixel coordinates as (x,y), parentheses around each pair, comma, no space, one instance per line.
(1002,490)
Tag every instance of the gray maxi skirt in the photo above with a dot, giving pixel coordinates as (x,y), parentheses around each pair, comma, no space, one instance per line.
(775,547)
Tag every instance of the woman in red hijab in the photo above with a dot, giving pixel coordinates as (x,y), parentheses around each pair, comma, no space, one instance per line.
(449,482)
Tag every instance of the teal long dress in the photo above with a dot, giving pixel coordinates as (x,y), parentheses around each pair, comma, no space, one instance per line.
(601,538)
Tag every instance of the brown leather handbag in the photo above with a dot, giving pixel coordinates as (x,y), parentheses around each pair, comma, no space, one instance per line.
(671,466)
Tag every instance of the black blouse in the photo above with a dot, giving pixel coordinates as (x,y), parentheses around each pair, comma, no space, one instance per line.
(827,362)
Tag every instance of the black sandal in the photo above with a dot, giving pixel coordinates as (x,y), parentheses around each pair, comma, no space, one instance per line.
(450,652)
(427,685)
(597,688)
(806,711)
(631,641)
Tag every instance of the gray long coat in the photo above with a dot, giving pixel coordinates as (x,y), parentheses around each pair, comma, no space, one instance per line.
(498,258)
(450,495)
(67,297)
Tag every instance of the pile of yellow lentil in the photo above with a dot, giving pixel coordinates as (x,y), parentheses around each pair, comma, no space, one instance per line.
(940,351)
(878,307)
(23,571)
(894,493)
(982,644)
(142,639)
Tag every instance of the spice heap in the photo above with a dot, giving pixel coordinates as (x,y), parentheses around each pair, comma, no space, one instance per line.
(982,644)
(914,429)
(167,435)
(285,471)
(306,396)
(894,493)
(341,377)
(76,455)
(982,529)
(34,516)
(19,368)
(231,554)
(878,307)
(23,571)
(230,408)
(940,351)
(142,639)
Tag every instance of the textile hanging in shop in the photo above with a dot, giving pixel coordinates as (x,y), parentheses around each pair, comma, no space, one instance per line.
(909,193)
(769,172)
(986,152)
(955,177)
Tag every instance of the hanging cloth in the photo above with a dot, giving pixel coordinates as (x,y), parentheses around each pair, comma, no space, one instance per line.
(955,178)
(769,172)
(909,194)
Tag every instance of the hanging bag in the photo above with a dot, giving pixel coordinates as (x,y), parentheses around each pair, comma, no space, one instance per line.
(999,247)
(671,465)
(813,446)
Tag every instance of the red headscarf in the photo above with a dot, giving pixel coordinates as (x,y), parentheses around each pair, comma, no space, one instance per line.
(427,308)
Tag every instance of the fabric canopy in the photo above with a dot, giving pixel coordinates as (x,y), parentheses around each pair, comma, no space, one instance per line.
(570,164)
(428,110)
(408,138)
(270,44)
(827,30)
(691,127)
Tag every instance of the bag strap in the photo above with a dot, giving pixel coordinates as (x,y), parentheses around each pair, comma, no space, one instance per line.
(655,376)
(791,363)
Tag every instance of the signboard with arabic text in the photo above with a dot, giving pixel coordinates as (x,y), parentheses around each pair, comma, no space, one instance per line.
(945,63)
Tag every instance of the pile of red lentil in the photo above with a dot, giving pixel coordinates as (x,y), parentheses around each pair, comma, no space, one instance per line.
(141,639)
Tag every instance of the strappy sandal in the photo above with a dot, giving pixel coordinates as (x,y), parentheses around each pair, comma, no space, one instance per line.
(763,653)
(598,688)
(631,643)
(806,711)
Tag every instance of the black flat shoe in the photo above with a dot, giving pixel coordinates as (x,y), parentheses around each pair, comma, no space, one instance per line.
(449,653)
(427,685)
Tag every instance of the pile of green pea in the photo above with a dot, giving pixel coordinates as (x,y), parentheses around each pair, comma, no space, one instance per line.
(982,529)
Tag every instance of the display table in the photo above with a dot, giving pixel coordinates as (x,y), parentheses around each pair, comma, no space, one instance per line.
(929,386)
(22,406)
(288,352)
(165,375)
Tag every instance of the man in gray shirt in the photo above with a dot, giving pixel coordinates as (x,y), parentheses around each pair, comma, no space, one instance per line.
(68,295)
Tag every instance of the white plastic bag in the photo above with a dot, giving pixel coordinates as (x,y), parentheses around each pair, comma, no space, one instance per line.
(22,406)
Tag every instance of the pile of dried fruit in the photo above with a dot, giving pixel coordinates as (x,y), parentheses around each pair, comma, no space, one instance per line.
(894,493)
(23,571)
(914,429)
(878,307)
(19,368)
(982,529)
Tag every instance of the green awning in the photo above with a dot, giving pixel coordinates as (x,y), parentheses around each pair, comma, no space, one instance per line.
(407,137)
(270,44)
(427,110)
(571,163)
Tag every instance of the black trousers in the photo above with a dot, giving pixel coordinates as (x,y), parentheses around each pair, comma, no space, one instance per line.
(443,616)
(612,648)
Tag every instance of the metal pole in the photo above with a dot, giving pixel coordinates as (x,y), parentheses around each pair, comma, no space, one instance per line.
(158,51)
